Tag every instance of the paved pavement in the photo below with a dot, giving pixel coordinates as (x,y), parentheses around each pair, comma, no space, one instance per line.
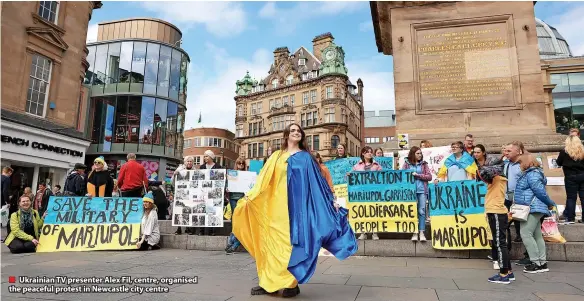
(230,277)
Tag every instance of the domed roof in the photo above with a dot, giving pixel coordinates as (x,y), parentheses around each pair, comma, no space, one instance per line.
(550,41)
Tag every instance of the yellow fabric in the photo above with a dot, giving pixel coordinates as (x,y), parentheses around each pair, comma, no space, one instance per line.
(227,212)
(495,198)
(263,227)
(471,172)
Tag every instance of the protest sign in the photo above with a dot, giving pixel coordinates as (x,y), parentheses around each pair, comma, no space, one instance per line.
(457,215)
(435,157)
(382,201)
(256,165)
(385,162)
(199,198)
(88,224)
(240,181)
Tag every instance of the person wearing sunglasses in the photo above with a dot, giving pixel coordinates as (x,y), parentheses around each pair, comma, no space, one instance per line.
(99,181)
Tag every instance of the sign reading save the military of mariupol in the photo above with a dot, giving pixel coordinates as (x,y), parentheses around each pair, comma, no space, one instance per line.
(88,224)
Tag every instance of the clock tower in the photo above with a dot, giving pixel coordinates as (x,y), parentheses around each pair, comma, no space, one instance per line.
(333,60)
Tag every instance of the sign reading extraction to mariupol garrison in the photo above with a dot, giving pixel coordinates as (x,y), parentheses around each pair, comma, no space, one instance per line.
(382,201)
(88,224)
(457,211)
(198,198)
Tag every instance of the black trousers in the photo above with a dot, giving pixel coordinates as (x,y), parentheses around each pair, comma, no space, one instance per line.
(574,186)
(499,224)
(137,192)
(145,246)
(18,246)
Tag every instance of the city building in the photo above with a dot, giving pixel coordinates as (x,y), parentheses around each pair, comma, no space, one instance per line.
(43,63)
(220,141)
(379,128)
(309,88)
(137,89)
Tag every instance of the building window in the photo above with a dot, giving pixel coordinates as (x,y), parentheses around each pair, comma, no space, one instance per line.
(276,144)
(385,139)
(316,142)
(285,100)
(302,62)
(277,103)
(197,141)
(239,110)
(38,85)
(260,149)
(279,123)
(256,108)
(239,130)
(292,100)
(289,79)
(49,10)
(188,143)
(274,83)
(255,128)
(197,160)
(344,115)
(329,114)
(272,104)
(313,96)
(304,76)
(305,98)
(335,141)
(329,92)
(315,74)
(151,73)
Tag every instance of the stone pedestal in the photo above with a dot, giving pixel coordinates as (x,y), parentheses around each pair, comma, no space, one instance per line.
(466,67)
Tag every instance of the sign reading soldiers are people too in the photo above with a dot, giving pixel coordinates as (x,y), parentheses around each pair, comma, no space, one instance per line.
(199,198)
(382,201)
(340,167)
(457,211)
(91,223)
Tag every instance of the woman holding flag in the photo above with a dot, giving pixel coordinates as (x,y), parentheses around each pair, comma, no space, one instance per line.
(459,166)
(288,216)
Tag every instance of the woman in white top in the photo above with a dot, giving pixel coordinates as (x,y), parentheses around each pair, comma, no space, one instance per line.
(149,231)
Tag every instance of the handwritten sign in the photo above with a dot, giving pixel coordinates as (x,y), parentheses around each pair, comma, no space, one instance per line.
(385,162)
(435,156)
(240,181)
(457,211)
(382,201)
(88,224)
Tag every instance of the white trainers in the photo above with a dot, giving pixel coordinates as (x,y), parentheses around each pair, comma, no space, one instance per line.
(374,236)
(496,265)
(422,236)
(415,237)
(362,236)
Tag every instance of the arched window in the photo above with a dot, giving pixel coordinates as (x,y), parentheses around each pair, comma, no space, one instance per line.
(275,83)
(289,79)
(335,141)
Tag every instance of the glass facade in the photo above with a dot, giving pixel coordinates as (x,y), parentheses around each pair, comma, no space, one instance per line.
(568,98)
(138,91)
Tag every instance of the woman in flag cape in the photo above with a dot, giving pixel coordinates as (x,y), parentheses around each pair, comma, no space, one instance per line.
(288,216)
(459,166)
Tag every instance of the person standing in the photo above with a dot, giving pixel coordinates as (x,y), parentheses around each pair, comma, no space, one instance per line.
(415,161)
(209,163)
(469,144)
(189,164)
(57,190)
(325,171)
(341,152)
(132,180)
(99,181)
(41,199)
(425,144)
(288,216)
(75,184)
(6,174)
(571,159)
(233,243)
(459,166)
(530,191)
(367,163)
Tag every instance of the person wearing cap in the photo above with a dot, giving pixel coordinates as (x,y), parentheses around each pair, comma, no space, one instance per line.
(75,184)
(149,230)
(209,161)
(99,181)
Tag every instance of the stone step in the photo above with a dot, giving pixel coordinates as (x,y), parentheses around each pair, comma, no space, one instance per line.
(570,251)
(572,233)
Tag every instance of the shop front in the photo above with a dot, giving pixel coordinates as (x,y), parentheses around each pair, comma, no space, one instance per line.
(38,155)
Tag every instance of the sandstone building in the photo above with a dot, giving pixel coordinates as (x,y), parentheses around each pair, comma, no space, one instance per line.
(309,88)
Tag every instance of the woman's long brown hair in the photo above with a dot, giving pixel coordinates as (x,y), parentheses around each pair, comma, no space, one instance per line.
(301,143)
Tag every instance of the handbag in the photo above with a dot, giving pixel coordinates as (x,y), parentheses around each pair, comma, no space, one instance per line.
(521,212)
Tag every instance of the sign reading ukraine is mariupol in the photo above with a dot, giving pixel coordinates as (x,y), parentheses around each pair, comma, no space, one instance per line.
(457,215)
(382,201)
(91,223)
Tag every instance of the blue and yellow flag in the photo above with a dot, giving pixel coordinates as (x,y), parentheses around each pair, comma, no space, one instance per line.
(466,162)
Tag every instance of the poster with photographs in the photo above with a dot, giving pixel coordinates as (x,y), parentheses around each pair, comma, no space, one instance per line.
(199,198)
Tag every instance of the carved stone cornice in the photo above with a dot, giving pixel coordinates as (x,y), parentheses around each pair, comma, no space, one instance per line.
(38,19)
(283,110)
(239,119)
(309,107)
(334,101)
(48,35)
(255,117)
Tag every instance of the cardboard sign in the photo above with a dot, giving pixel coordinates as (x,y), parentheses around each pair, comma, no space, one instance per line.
(88,224)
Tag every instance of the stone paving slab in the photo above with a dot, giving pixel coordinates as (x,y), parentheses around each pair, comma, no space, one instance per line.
(230,277)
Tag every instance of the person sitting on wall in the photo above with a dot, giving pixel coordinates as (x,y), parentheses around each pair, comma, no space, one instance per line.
(150,232)
(25,227)
(99,181)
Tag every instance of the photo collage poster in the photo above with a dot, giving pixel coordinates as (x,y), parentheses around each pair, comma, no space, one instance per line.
(199,198)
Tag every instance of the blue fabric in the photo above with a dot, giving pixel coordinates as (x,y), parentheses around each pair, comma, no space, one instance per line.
(233,241)
(314,222)
(421,211)
(532,183)
(462,163)
(512,172)
(419,183)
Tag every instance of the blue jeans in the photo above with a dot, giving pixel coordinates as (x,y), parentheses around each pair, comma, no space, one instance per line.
(421,211)
(233,242)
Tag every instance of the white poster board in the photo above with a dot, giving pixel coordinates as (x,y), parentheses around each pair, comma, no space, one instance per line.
(199,198)
(435,156)
(240,181)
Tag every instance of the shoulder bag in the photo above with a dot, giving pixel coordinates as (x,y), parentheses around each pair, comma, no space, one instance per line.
(520,212)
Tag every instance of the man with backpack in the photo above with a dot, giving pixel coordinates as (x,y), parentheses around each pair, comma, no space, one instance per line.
(76,185)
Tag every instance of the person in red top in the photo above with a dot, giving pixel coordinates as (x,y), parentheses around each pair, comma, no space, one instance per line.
(132,180)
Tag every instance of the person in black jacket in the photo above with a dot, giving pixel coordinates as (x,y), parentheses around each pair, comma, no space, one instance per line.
(99,181)
(6,174)
(159,199)
(75,184)
(571,159)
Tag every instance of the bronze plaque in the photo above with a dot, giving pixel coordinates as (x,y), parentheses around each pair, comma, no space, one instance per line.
(464,67)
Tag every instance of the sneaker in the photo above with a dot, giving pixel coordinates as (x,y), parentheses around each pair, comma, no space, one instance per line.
(511,276)
(362,236)
(374,236)
(496,265)
(543,268)
(569,222)
(524,261)
(229,251)
(531,269)
(501,279)
(490,258)
(415,237)
(422,236)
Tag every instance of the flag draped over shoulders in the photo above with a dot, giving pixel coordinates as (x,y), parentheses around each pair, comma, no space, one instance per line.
(466,162)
